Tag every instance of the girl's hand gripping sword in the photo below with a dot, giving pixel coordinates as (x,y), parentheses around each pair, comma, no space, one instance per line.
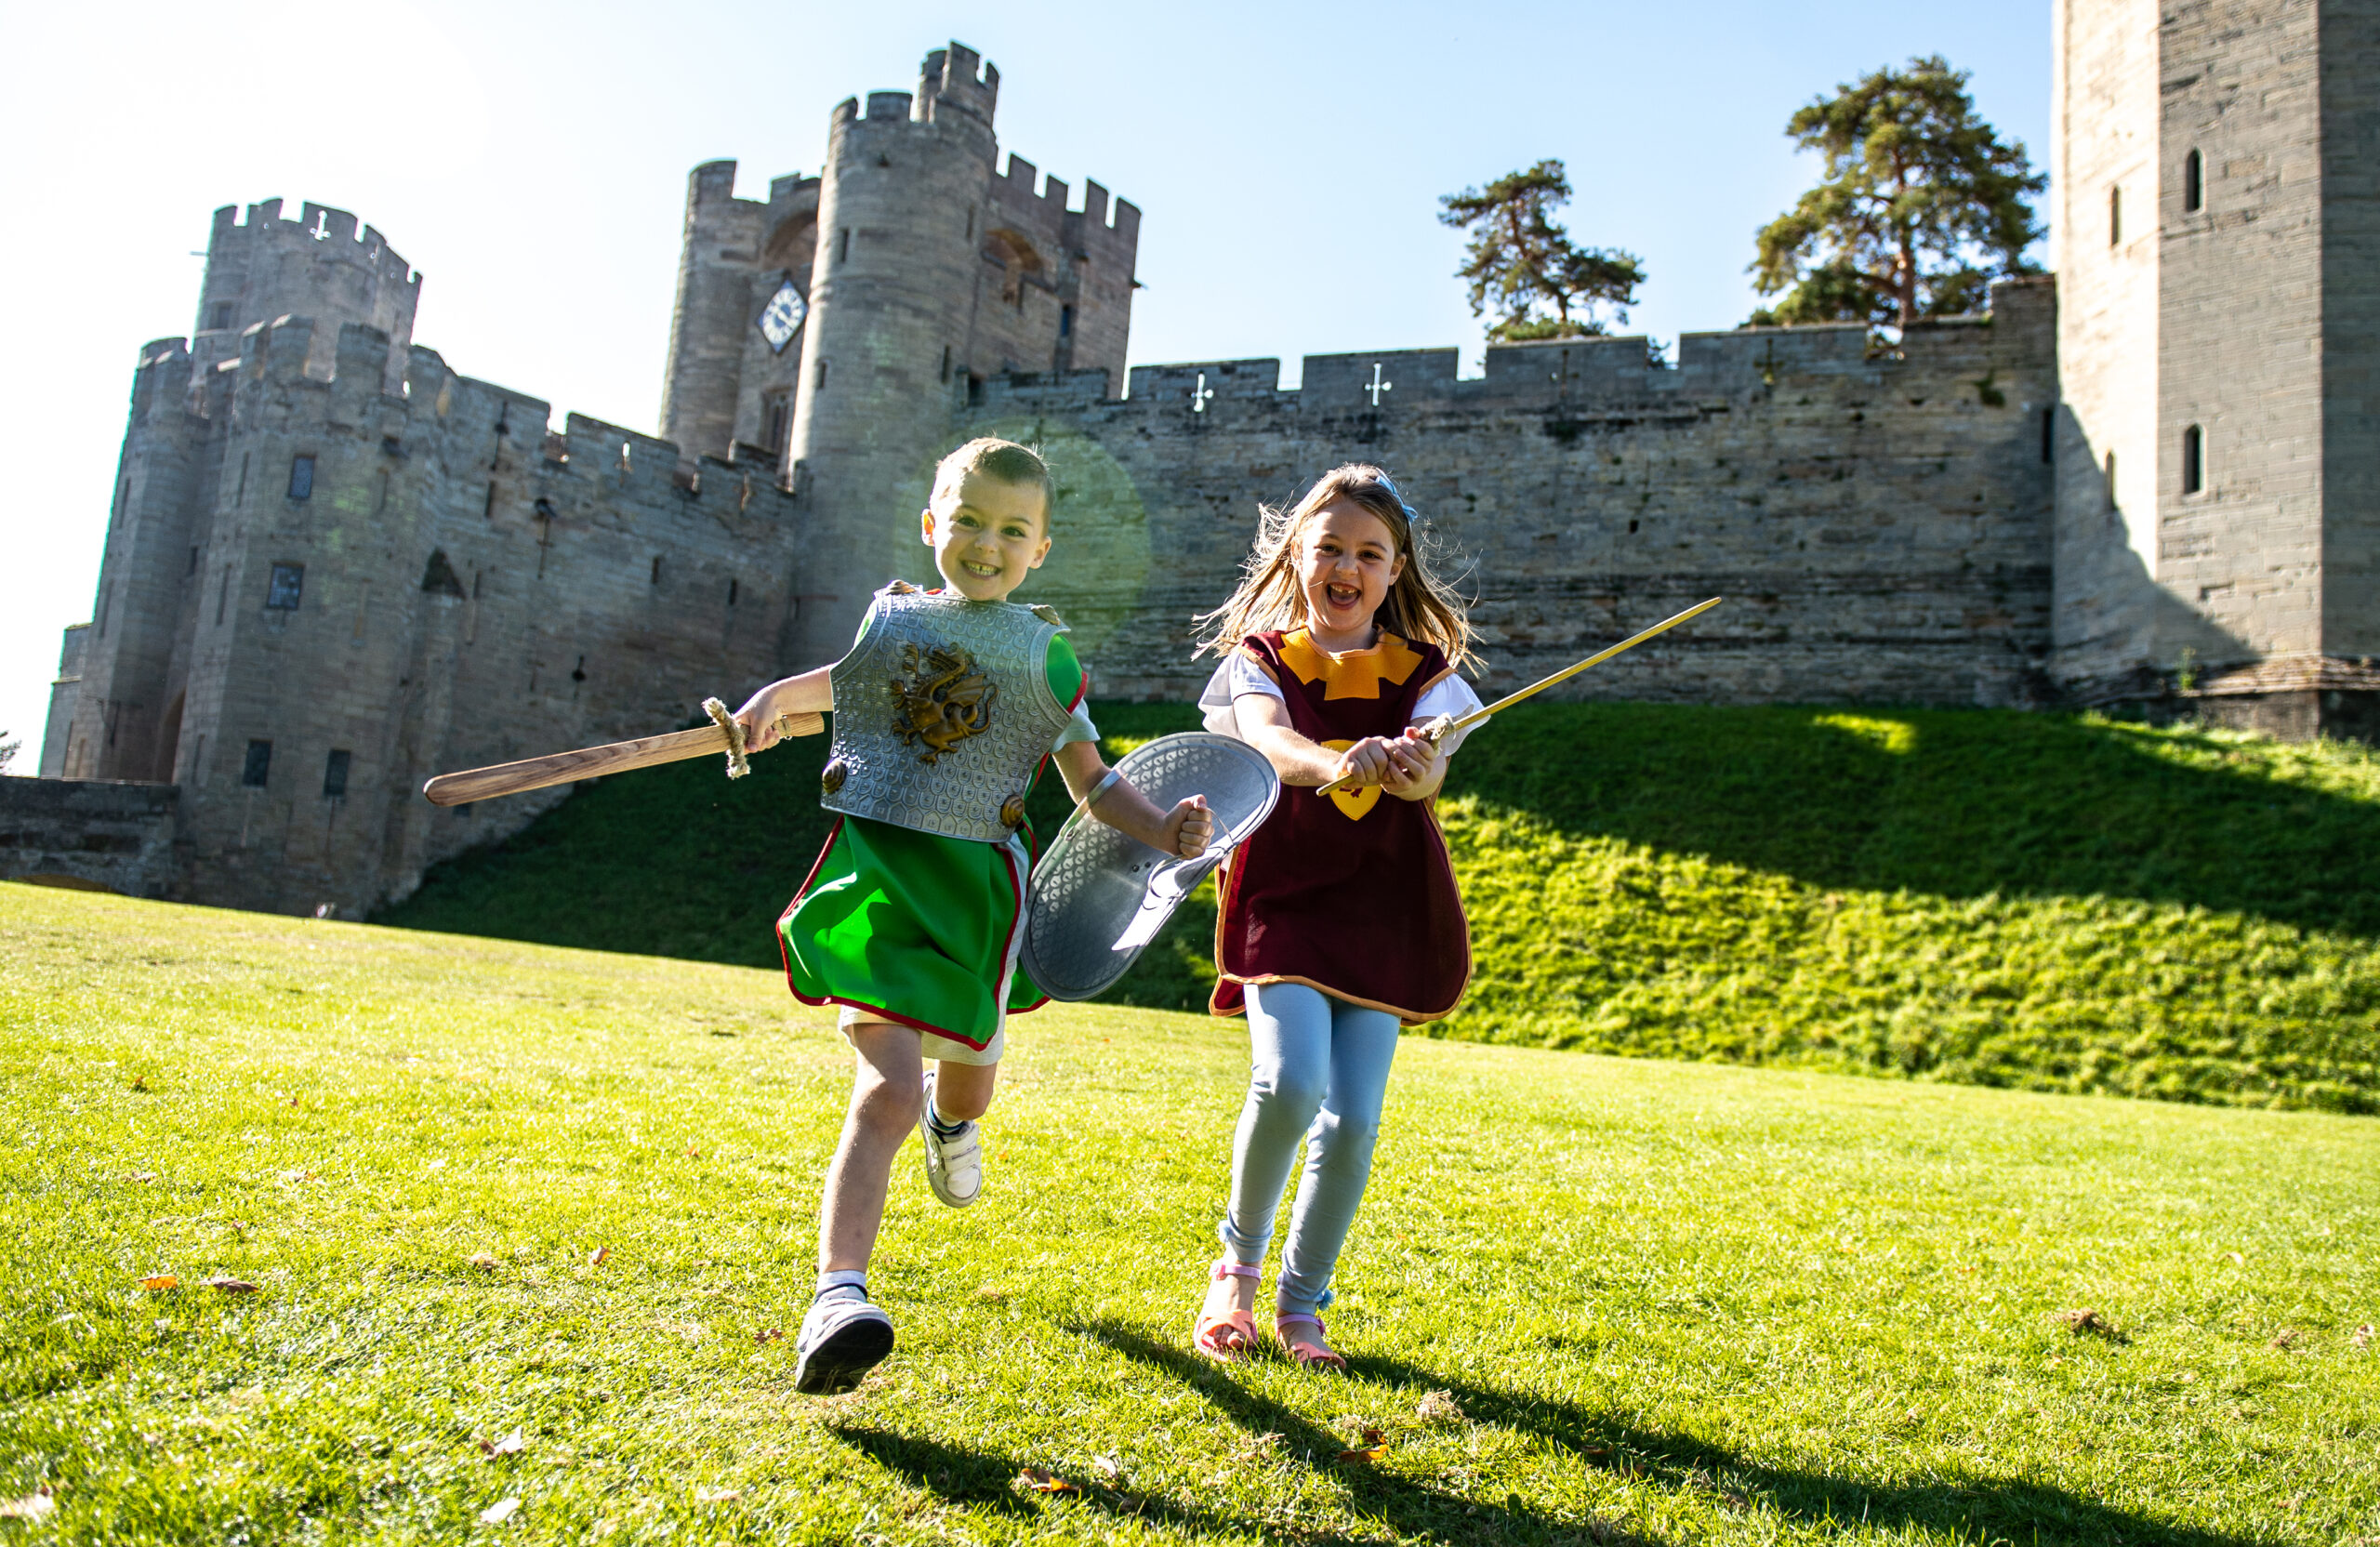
(723,734)
(1438,730)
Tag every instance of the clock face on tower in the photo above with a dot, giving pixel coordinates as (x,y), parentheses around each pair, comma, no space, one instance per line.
(782,319)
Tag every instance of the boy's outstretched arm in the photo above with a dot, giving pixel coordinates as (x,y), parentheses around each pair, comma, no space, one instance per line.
(808,693)
(1186,830)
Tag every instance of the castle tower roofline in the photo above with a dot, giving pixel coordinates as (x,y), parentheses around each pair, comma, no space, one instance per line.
(949,81)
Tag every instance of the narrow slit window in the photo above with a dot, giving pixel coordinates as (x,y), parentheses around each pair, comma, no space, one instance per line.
(301,478)
(258,767)
(656,569)
(821,380)
(843,245)
(1065,322)
(945,361)
(2111,481)
(282,590)
(335,773)
(490,512)
(2115,217)
(2193,182)
(2049,434)
(223,315)
(2193,460)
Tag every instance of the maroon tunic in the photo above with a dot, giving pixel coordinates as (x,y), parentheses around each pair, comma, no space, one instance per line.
(1351,893)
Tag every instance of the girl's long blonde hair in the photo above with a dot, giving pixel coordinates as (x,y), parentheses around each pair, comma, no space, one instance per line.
(1420,607)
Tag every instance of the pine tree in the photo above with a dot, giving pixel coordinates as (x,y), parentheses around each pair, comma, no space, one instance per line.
(1922,206)
(1521,262)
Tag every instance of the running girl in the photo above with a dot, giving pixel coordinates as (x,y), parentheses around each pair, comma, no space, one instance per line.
(1340,915)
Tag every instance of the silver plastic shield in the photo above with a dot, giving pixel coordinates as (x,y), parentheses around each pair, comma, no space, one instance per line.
(1098,897)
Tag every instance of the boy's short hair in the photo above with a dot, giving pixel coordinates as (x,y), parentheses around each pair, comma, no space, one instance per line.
(994,457)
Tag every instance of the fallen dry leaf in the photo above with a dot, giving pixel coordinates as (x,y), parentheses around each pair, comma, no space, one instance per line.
(596,1257)
(142,1176)
(161,1281)
(511,1445)
(2361,1336)
(292,1101)
(2237,1258)
(499,1512)
(2286,1338)
(1033,1479)
(483,1261)
(299,1174)
(230,1285)
(2084,1319)
(1438,1407)
(1375,1446)
(717,1495)
(36,1505)
(1109,1467)
(139,1082)
(693,1153)
(768,1334)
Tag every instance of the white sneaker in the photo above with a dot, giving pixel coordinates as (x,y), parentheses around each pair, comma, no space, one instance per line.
(954,1166)
(842,1339)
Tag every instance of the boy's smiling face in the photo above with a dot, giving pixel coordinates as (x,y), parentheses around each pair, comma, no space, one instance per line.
(987,535)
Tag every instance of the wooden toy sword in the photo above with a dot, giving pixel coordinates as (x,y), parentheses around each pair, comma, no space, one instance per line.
(1438,730)
(723,734)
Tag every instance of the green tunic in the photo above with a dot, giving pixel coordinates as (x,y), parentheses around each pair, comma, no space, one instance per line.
(920,928)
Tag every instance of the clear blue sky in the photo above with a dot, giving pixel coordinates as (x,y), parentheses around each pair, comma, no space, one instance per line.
(531,162)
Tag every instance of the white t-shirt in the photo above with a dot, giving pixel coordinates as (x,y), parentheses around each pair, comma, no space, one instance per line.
(1239,677)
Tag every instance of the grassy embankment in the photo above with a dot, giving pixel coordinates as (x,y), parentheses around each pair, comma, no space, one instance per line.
(1667,1303)
(1997,898)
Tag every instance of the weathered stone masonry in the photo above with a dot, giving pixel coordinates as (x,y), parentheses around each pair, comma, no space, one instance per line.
(334,566)
(1878,520)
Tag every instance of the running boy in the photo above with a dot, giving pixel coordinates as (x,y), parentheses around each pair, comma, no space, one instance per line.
(910,920)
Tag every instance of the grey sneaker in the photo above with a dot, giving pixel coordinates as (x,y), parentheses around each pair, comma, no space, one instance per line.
(842,1338)
(954,1166)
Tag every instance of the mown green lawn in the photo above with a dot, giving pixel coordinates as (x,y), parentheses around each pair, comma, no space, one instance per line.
(2037,901)
(1667,1303)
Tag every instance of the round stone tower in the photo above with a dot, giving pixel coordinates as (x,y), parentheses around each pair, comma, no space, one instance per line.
(885,354)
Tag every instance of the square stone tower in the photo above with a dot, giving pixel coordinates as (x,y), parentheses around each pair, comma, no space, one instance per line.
(2218,245)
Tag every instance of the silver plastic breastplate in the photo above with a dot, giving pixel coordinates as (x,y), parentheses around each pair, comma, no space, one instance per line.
(941,713)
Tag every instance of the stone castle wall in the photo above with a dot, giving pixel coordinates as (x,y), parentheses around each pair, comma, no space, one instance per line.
(1879,521)
(457,587)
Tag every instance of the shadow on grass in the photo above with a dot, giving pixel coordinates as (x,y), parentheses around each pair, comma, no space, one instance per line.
(1994,1508)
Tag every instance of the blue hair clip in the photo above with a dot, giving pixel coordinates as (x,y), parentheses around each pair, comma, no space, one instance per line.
(1389,483)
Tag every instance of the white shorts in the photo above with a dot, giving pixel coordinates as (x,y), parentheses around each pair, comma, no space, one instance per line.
(933,1044)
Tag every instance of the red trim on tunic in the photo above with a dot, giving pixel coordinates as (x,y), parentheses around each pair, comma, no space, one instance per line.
(1016,921)
(1364,907)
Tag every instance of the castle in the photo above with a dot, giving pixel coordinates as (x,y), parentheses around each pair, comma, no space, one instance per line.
(334,566)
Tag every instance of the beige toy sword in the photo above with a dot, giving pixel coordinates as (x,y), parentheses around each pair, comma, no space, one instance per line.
(723,734)
(1437,732)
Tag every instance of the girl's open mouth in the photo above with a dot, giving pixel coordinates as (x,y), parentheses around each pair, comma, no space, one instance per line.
(1343,596)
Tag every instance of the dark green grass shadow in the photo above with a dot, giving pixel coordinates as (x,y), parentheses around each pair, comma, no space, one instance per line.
(1992,1507)
(1947,802)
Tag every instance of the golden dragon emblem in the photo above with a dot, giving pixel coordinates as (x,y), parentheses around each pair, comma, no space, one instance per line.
(941,700)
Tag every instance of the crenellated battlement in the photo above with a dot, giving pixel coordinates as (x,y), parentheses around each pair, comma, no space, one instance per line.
(950,81)
(1617,370)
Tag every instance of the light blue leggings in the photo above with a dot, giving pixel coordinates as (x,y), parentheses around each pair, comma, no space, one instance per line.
(1318,1070)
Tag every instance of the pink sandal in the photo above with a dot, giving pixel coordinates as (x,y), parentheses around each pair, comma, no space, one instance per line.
(1225,1337)
(1310,1353)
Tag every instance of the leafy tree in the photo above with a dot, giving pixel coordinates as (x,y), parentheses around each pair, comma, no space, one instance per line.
(1922,206)
(8,752)
(1522,263)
